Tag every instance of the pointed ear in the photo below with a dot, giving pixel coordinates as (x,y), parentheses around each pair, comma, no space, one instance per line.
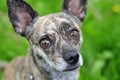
(21,15)
(76,8)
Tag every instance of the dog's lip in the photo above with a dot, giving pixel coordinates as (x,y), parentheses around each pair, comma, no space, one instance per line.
(72,67)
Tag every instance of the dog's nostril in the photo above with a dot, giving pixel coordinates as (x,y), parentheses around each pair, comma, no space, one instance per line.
(72,59)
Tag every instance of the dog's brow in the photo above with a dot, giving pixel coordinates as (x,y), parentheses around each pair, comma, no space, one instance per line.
(51,26)
(50,31)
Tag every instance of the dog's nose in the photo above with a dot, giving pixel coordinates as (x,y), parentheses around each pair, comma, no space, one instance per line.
(71,57)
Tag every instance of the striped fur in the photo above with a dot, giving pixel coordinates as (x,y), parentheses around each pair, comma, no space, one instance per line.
(46,63)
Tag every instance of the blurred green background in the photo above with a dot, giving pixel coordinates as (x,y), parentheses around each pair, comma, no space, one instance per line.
(101,34)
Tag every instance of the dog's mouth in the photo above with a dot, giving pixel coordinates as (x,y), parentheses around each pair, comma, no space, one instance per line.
(72,67)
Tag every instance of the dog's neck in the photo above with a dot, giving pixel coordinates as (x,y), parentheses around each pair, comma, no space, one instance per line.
(49,73)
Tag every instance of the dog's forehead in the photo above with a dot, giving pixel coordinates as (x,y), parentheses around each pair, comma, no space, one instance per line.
(51,23)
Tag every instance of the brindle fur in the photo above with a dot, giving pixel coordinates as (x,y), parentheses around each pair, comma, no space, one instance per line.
(46,63)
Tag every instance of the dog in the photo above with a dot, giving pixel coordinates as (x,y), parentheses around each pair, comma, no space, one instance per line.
(54,39)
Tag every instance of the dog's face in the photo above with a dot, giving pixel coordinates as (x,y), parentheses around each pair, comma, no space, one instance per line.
(55,39)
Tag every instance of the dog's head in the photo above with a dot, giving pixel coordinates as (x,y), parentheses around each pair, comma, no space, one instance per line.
(55,39)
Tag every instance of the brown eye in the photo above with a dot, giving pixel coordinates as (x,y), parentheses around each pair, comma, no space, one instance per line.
(45,43)
(74,34)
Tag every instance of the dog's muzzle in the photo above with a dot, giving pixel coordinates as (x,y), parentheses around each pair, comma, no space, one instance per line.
(72,58)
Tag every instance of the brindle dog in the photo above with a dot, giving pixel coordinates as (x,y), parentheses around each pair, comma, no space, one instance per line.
(54,40)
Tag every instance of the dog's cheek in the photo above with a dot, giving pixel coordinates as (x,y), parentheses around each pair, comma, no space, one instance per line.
(60,64)
(38,52)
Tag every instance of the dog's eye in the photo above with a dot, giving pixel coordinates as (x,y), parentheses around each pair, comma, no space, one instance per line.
(45,43)
(74,34)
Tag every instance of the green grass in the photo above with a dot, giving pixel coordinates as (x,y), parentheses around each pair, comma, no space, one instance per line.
(101,34)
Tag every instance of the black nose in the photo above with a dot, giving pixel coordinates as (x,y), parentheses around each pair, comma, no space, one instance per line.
(71,57)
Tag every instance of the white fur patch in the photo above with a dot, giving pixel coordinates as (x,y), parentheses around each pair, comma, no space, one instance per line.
(62,20)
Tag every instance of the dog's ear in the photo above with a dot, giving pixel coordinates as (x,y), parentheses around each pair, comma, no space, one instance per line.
(76,8)
(21,15)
